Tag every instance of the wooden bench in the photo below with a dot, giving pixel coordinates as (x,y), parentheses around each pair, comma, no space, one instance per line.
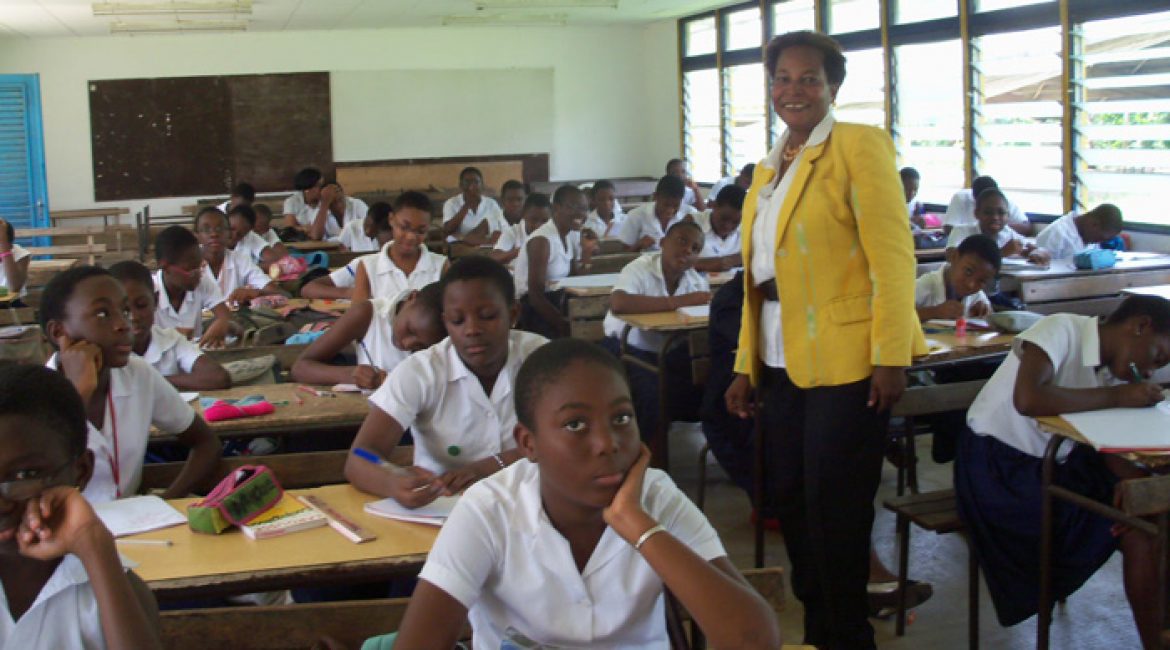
(93,213)
(927,400)
(88,251)
(148,226)
(612,263)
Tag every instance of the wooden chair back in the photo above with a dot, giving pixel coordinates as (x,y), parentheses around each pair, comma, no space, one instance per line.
(89,250)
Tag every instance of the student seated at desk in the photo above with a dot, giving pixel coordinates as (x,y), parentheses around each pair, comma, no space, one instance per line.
(743,179)
(84,313)
(242,194)
(537,211)
(62,582)
(991,210)
(470,216)
(334,211)
(184,291)
(1066,363)
(455,397)
(385,330)
(245,241)
(961,211)
(575,544)
(645,225)
(721,244)
(361,235)
(662,281)
(955,289)
(512,197)
(300,208)
(1074,233)
(340,282)
(605,217)
(168,351)
(234,272)
(911,179)
(14,261)
(692,196)
(264,224)
(553,252)
(405,262)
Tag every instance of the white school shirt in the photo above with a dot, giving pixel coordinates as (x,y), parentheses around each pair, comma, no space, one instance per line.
(1072,343)
(379,349)
(512,237)
(453,421)
(140,397)
(169,352)
(961,211)
(18,253)
(1005,235)
(930,290)
(501,558)
(353,237)
(713,244)
(346,276)
(387,280)
(488,209)
(765,243)
(1062,239)
(595,223)
(251,246)
(641,222)
(560,255)
(688,196)
(190,315)
(718,186)
(355,209)
(65,614)
(271,237)
(238,270)
(643,277)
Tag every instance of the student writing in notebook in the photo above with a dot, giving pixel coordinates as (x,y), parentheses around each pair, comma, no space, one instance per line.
(955,289)
(184,290)
(1074,232)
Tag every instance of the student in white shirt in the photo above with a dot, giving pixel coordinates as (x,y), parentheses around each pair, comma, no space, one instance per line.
(743,180)
(406,262)
(691,195)
(1072,234)
(264,224)
(184,291)
(911,180)
(512,199)
(64,584)
(302,205)
(1066,363)
(339,283)
(384,331)
(455,397)
(234,272)
(955,289)
(554,251)
(169,352)
(575,545)
(961,210)
(991,213)
(14,260)
(537,211)
(606,217)
(647,224)
(244,240)
(333,212)
(722,249)
(242,194)
(361,236)
(470,216)
(84,313)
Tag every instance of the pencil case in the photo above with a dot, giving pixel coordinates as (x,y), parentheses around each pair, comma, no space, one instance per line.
(1096,258)
(240,497)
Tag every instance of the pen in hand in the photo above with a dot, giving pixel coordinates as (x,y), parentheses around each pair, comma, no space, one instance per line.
(1135,374)
(375,459)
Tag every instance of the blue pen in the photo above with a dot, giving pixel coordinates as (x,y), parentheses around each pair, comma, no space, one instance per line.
(371,457)
(369,357)
(1137,375)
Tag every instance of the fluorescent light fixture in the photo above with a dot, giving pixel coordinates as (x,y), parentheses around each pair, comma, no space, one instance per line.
(546,4)
(509,20)
(171,8)
(178,26)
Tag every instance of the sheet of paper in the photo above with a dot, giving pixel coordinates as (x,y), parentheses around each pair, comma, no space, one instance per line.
(695,312)
(1123,429)
(587,281)
(350,388)
(189,397)
(976,323)
(434,513)
(138,515)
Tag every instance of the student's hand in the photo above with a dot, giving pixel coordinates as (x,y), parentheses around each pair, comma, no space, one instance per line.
(5,243)
(738,397)
(243,294)
(368,377)
(57,522)
(625,513)
(886,386)
(329,193)
(1039,257)
(215,334)
(414,487)
(471,201)
(81,361)
(980,309)
(949,310)
(1138,395)
(646,242)
(1013,247)
(458,480)
(693,299)
(494,237)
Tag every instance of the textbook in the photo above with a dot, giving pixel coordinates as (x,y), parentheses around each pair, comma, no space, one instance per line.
(432,514)
(1125,429)
(695,313)
(288,516)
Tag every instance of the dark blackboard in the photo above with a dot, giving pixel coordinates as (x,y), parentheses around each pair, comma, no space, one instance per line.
(186,136)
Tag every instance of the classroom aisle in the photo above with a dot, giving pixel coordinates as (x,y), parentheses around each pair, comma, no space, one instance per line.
(1094,617)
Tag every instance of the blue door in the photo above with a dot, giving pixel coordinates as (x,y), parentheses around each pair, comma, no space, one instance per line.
(24,196)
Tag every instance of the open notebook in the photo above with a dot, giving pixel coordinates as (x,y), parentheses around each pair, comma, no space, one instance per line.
(434,513)
(1125,429)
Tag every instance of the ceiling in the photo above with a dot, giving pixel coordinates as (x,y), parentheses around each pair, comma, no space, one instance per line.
(55,18)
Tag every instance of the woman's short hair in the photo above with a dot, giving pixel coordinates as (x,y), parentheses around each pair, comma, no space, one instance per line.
(834,59)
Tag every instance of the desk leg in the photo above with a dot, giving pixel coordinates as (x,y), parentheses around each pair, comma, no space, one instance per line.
(1044,615)
(662,436)
(659,451)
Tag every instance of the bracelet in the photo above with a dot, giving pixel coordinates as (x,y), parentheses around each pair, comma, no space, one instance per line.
(499,460)
(647,535)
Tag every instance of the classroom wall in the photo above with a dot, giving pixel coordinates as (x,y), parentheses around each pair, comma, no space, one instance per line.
(614,88)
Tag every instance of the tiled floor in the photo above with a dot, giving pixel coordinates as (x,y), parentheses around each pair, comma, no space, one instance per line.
(1096,617)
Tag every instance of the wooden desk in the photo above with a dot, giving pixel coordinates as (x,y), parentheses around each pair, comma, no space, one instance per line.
(312,245)
(198,565)
(930,254)
(41,271)
(338,259)
(346,411)
(975,346)
(1158,290)
(325,305)
(587,301)
(1061,283)
(104,213)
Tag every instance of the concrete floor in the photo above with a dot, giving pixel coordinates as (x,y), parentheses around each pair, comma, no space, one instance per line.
(1096,617)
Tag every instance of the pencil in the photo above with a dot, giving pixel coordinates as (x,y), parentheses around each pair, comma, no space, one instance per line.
(146,542)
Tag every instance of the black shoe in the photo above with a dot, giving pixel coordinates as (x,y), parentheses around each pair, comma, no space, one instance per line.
(883,597)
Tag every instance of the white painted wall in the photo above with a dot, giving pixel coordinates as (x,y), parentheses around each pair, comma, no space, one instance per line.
(614,88)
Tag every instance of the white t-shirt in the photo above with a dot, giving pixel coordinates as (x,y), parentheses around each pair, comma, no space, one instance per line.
(252,245)
(190,315)
(1072,343)
(271,237)
(930,290)
(961,211)
(1005,235)
(18,253)
(595,223)
(501,558)
(169,352)
(346,276)
(353,237)
(453,421)
(688,197)
(138,398)
(719,185)
(643,277)
(713,244)
(379,349)
(560,255)
(512,237)
(238,270)
(488,209)
(355,209)
(1062,239)
(387,280)
(641,222)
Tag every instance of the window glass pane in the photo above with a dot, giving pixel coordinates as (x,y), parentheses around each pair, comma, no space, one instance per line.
(912,11)
(992,5)
(1018,116)
(793,15)
(1125,148)
(853,16)
(862,96)
(701,125)
(743,29)
(746,123)
(700,37)
(930,116)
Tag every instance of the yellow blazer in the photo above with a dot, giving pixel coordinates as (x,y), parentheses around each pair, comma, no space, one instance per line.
(845,265)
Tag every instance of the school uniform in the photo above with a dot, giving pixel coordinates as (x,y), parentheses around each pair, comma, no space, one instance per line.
(377,347)
(512,237)
(387,280)
(346,276)
(713,244)
(643,277)
(961,211)
(598,225)
(238,270)
(64,615)
(488,209)
(271,237)
(453,421)
(718,186)
(169,352)
(355,209)
(353,237)
(931,290)
(560,255)
(251,246)
(190,314)
(642,222)
(1005,235)
(1062,239)
(501,558)
(997,476)
(139,397)
(18,253)
(688,197)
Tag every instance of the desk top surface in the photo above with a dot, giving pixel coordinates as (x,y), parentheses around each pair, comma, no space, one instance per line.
(320,304)
(346,409)
(53,264)
(1160,290)
(664,321)
(1126,262)
(1058,425)
(601,284)
(312,245)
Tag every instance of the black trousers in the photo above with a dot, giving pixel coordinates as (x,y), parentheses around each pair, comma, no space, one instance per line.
(824,450)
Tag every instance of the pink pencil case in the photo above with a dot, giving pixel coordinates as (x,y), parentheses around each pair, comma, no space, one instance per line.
(222,410)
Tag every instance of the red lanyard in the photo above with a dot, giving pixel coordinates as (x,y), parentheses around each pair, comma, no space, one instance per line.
(114,469)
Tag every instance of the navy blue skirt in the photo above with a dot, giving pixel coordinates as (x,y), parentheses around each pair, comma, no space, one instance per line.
(998,489)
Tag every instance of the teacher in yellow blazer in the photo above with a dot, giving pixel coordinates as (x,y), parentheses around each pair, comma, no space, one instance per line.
(828,329)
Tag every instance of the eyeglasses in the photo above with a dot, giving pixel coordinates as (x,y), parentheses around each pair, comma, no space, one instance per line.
(23,489)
